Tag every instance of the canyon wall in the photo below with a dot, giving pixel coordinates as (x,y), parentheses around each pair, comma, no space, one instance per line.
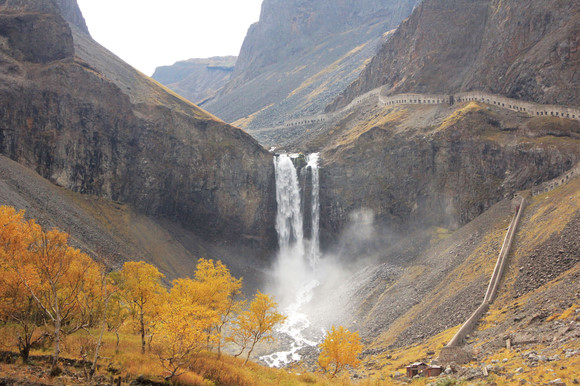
(85,120)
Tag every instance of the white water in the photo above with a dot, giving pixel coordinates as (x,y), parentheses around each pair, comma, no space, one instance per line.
(289,217)
(314,254)
(295,269)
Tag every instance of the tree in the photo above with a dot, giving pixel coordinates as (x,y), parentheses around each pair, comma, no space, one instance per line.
(183,328)
(256,323)
(339,349)
(47,270)
(219,291)
(56,275)
(142,290)
(117,311)
(16,303)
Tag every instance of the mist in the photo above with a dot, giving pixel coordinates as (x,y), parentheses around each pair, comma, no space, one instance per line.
(310,286)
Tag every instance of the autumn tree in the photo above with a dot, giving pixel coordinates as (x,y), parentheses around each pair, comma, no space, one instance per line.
(184,326)
(54,275)
(104,293)
(16,304)
(142,290)
(118,311)
(256,323)
(220,292)
(339,349)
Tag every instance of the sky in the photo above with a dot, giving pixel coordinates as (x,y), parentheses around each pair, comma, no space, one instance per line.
(151,33)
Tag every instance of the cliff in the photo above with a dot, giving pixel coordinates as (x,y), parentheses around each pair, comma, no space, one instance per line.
(420,166)
(196,79)
(527,51)
(300,55)
(85,120)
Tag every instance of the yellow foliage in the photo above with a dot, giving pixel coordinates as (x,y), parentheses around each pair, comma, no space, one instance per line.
(339,349)
(256,323)
(182,330)
(142,290)
(44,278)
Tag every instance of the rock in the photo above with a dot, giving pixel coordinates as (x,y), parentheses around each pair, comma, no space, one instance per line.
(519,370)
(196,79)
(306,36)
(429,30)
(557,382)
(118,136)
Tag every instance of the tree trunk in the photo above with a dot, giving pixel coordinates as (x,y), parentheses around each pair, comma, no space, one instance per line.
(24,348)
(57,327)
(249,352)
(103,326)
(117,343)
(142,334)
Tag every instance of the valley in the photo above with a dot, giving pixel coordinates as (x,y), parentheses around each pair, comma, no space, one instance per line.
(361,164)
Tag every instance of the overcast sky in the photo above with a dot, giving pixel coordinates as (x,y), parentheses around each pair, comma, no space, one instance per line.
(152,33)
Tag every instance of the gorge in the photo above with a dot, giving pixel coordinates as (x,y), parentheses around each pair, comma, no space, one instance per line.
(400,131)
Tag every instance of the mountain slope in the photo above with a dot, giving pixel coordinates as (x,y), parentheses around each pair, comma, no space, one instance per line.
(196,79)
(526,51)
(300,55)
(87,121)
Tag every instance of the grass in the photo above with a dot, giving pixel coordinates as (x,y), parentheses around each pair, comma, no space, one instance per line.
(440,234)
(393,361)
(460,115)
(206,369)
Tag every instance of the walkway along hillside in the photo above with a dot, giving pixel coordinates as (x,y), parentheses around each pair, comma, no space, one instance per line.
(375,96)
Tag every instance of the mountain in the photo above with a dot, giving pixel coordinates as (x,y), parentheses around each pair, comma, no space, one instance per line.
(527,51)
(300,55)
(86,121)
(196,79)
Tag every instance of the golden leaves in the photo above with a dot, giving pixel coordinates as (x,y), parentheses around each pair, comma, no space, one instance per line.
(339,349)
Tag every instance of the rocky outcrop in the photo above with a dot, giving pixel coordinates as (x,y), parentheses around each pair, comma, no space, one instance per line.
(300,56)
(86,121)
(196,79)
(527,51)
(71,12)
(287,28)
(34,32)
(443,169)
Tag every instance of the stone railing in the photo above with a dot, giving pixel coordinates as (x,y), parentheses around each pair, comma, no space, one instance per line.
(553,184)
(375,96)
(534,109)
(426,99)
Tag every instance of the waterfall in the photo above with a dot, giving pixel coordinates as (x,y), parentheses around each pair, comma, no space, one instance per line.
(289,217)
(314,253)
(295,268)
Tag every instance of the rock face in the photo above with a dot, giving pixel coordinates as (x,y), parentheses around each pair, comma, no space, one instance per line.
(528,51)
(85,120)
(300,56)
(287,28)
(72,13)
(443,169)
(196,79)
